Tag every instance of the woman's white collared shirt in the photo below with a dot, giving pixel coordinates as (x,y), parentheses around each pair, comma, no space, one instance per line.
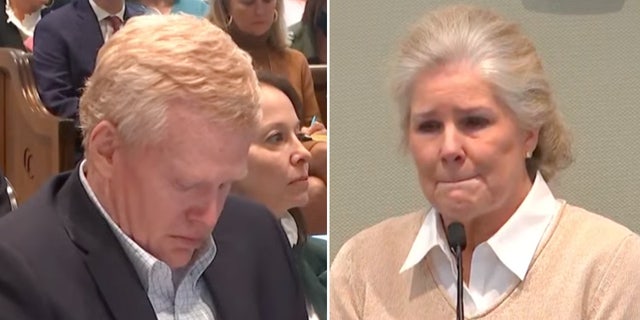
(497,265)
(26,25)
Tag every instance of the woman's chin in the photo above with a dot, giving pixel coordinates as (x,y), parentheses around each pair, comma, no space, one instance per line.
(300,201)
(457,210)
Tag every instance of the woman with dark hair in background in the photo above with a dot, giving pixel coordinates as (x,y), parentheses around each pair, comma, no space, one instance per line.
(309,36)
(278,178)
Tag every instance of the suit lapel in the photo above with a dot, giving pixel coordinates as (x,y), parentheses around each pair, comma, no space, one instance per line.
(226,284)
(113,273)
(119,285)
(88,32)
(131,10)
(88,25)
(230,274)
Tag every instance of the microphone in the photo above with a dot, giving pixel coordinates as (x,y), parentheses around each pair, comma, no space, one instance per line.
(457,242)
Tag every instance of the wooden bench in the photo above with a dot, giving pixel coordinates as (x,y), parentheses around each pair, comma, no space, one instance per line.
(34,144)
(319,74)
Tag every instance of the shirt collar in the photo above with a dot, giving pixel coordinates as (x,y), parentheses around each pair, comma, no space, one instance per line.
(290,228)
(143,262)
(514,244)
(25,26)
(101,14)
(430,235)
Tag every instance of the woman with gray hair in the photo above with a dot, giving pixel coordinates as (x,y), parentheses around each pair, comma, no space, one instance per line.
(481,124)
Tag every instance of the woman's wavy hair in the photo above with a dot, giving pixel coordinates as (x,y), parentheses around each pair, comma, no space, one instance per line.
(506,59)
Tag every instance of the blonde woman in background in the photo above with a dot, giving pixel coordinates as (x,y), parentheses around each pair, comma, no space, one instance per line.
(484,131)
(258,27)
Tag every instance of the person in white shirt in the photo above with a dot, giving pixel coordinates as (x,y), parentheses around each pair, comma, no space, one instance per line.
(19,19)
(25,14)
(481,124)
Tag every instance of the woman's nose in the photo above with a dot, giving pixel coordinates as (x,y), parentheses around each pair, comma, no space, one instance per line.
(260,7)
(300,154)
(451,149)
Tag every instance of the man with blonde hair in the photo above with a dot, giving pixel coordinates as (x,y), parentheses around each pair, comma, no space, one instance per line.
(167,118)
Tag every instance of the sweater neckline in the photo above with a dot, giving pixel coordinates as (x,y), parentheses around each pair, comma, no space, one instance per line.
(543,243)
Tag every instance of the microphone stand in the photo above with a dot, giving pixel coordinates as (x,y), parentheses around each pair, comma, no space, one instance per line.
(459,304)
(457,243)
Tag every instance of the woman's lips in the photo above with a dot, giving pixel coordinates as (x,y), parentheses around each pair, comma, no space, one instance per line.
(300,179)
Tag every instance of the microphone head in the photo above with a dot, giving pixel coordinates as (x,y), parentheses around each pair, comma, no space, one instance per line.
(456,235)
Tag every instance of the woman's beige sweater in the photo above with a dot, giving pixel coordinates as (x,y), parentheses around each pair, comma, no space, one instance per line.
(586,267)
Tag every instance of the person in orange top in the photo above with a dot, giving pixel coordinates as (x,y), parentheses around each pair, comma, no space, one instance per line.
(258,27)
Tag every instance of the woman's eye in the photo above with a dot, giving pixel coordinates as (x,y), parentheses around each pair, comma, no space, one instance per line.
(428,126)
(475,122)
(275,138)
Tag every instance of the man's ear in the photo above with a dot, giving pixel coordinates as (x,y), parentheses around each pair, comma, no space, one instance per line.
(104,141)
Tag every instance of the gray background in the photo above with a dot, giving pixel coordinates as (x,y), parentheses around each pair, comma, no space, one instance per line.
(591,52)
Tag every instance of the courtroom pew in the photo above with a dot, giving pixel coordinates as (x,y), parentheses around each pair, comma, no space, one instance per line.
(319,75)
(34,144)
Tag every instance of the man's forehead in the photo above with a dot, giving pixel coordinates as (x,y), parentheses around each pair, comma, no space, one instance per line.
(209,167)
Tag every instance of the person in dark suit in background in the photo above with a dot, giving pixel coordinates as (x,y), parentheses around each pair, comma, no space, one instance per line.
(168,117)
(19,18)
(66,43)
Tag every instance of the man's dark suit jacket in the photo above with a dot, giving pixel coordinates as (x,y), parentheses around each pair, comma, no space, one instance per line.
(9,34)
(66,44)
(60,260)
